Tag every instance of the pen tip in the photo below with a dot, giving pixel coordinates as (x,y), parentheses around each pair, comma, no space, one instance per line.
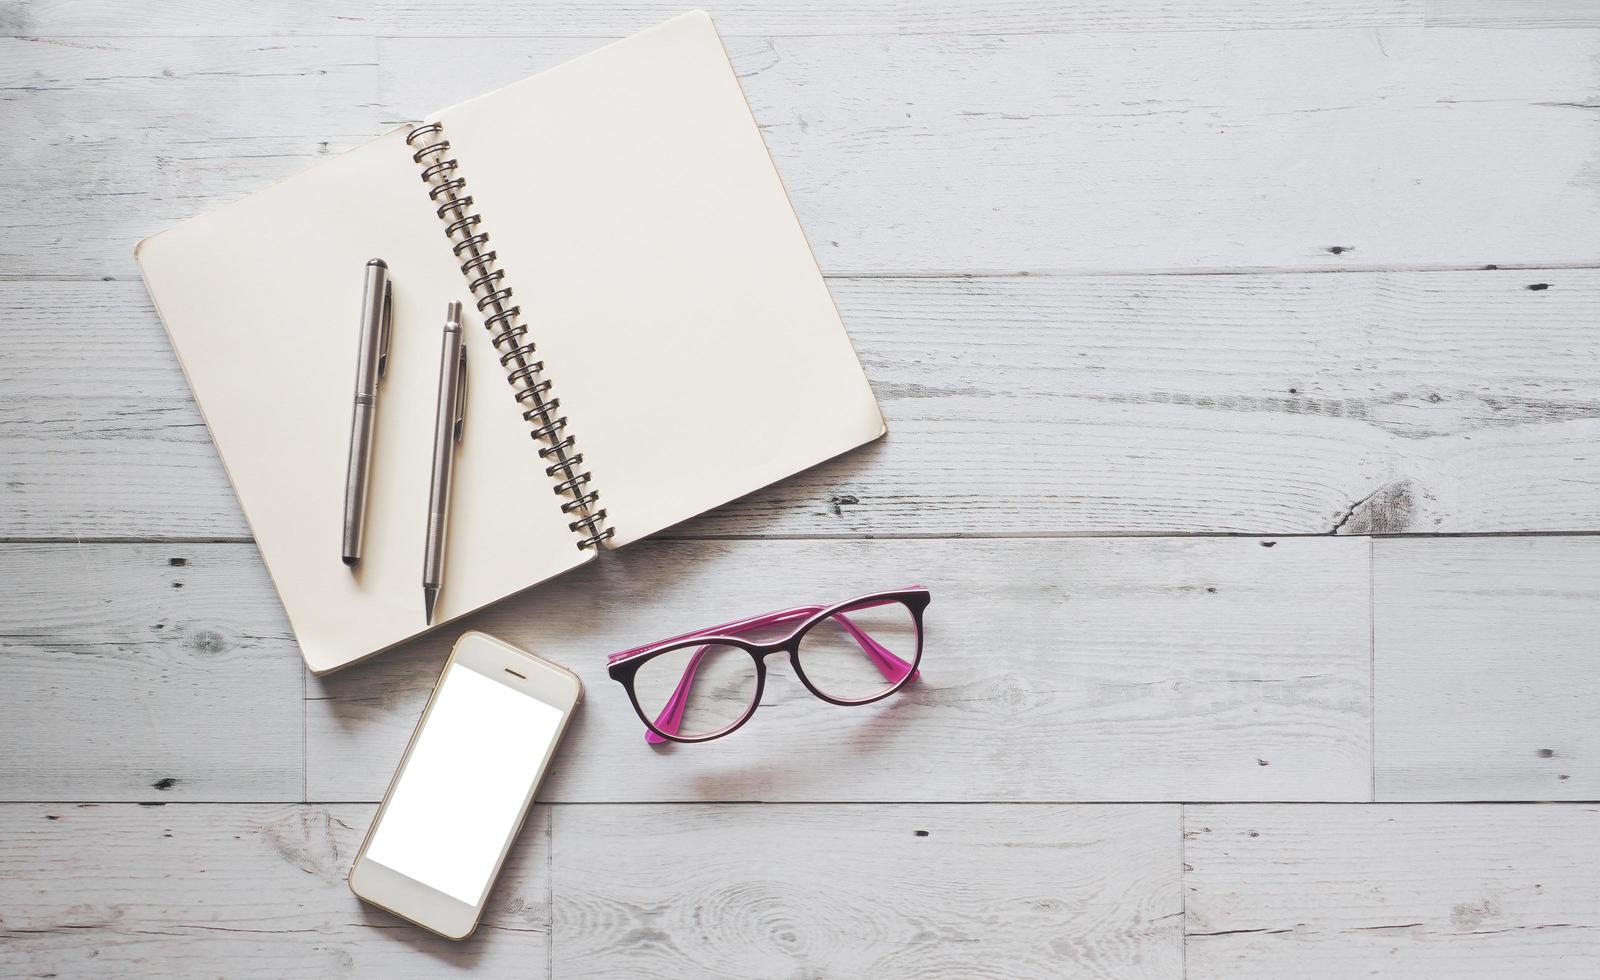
(428,598)
(351,560)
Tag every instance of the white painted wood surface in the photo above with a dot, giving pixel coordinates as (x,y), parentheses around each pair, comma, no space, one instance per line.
(572,18)
(829,890)
(1464,891)
(1079,246)
(144,673)
(575,18)
(1271,404)
(924,891)
(913,154)
(1487,669)
(857,891)
(241,891)
(1127,669)
(1524,13)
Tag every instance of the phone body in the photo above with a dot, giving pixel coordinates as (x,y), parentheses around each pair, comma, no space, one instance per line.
(465,784)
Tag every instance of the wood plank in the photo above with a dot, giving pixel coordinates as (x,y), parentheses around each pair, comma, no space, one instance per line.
(881,891)
(1456,891)
(146,673)
(134,461)
(1362,402)
(1054,670)
(1321,149)
(1487,667)
(1523,13)
(547,18)
(237,891)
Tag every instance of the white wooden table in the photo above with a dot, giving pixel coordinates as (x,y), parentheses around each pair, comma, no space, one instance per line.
(1242,362)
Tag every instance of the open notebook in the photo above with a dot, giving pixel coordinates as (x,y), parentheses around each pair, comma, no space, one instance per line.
(653,258)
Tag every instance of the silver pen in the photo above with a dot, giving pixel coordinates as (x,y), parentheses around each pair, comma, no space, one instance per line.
(377,321)
(448,422)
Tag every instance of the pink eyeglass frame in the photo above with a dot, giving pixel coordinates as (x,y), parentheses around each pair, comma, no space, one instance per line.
(625,665)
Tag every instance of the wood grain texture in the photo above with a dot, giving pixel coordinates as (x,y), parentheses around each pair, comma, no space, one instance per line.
(250,890)
(75,466)
(145,672)
(1522,13)
(1120,670)
(1487,669)
(576,18)
(1361,402)
(1456,891)
(913,154)
(880,891)
(237,891)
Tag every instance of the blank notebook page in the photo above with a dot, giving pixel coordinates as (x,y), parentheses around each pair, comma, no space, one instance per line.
(262,300)
(664,276)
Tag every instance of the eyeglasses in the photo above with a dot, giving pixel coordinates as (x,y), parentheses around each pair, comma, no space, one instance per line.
(704,685)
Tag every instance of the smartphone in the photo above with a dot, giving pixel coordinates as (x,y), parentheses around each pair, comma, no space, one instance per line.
(465,785)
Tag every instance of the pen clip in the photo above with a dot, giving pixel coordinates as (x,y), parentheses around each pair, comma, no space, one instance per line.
(386,327)
(461,394)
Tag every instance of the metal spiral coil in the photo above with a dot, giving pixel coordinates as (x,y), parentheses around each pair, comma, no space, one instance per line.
(559,449)
(522,351)
(510,335)
(462,223)
(525,375)
(446,187)
(486,283)
(494,298)
(580,501)
(549,431)
(454,204)
(566,486)
(470,244)
(504,319)
(482,262)
(492,276)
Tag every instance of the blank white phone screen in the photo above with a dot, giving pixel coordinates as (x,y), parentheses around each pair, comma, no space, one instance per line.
(458,798)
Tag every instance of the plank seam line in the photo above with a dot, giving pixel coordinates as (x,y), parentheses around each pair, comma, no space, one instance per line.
(1372,670)
(894,30)
(550,893)
(915,536)
(1183,889)
(955,275)
(851,803)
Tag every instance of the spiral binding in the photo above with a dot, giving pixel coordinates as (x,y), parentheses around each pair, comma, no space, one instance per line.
(486,282)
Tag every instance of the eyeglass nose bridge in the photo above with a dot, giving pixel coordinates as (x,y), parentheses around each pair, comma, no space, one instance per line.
(790,646)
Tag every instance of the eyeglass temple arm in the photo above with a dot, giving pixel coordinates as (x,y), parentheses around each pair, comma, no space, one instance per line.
(889,665)
(672,715)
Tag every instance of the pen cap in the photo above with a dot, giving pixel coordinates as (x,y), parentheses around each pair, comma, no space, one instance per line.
(375,307)
(452,315)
